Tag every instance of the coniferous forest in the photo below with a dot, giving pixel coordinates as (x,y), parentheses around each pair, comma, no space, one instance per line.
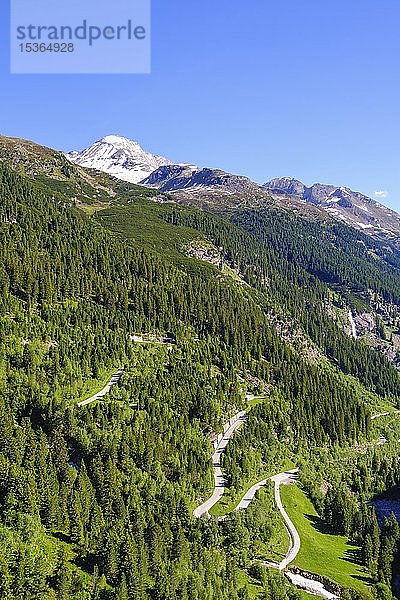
(97,501)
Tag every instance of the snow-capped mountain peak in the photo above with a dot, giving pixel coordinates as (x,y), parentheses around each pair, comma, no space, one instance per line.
(119,156)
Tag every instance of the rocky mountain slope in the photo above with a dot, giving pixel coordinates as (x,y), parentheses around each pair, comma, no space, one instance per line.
(354,208)
(207,188)
(179,177)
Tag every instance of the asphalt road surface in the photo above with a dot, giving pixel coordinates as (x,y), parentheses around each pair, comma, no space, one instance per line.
(219,481)
(113,381)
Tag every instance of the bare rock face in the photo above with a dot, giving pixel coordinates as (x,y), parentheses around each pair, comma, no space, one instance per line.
(365,322)
(288,185)
(180,177)
(315,584)
(206,253)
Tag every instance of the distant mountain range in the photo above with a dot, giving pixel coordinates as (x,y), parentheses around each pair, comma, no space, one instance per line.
(353,208)
(213,188)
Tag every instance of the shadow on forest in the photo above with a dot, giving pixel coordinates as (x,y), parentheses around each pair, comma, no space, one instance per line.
(86,563)
(319,524)
(391,494)
(63,537)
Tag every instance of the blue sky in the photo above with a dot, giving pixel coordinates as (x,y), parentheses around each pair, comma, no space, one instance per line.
(306,88)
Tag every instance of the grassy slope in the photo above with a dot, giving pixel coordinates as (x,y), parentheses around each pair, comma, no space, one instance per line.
(141,222)
(306,596)
(322,553)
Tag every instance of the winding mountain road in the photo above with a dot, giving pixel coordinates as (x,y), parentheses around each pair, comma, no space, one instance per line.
(249,495)
(286,478)
(113,381)
(219,481)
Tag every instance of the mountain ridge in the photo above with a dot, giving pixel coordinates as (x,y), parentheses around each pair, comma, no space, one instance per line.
(215,188)
(354,208)
(211,188)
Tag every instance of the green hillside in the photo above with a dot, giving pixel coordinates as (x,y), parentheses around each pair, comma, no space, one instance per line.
(97,501)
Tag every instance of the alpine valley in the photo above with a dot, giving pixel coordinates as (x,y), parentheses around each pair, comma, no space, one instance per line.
(199,382)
